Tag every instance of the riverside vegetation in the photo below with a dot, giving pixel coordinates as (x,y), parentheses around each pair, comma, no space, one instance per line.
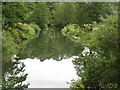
(61,30)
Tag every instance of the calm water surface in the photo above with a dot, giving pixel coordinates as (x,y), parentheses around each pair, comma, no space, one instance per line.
(48,59)
(50,73)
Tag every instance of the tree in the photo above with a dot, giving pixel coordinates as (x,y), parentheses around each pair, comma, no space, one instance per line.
(64,14)
(8,46)
(13,75)
(99,67)
(30,6)
(87,12)
(41,15)
(13,12)
(16,38)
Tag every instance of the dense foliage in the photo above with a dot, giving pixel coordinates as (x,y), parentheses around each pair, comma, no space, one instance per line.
(60,30)
(14,76)
(16,34)
(99,65)
(64,14)
(13,13)
(89,12)
(41,15)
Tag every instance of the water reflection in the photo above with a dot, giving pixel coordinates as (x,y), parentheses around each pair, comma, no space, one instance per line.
(50,73)
(50,44)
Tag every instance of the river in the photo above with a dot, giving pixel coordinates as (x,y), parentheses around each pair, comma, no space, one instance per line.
(48,61)
(50,73)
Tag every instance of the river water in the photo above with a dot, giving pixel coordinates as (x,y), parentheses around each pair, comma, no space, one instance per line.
(48,59)
(50,73)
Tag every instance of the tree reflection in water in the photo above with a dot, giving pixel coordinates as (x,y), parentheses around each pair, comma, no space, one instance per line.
(49,44)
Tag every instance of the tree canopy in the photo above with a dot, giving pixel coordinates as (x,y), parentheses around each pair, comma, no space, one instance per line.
(60,30)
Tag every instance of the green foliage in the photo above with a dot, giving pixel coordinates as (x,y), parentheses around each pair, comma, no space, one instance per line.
(8,47)
(35,27)
(41,14)
(30,6)
(13,75)
(89,12)
(92,24)
(26,31)
(64,14)
(73,31)
(16,38)
(99,67)
(105,32)
(76,84)
(87,27)
(111,8)
(13,12)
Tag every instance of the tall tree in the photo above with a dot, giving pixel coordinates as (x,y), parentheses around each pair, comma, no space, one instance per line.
(13,12)
(88,12)
(100,67)
(41,15)
(64,14)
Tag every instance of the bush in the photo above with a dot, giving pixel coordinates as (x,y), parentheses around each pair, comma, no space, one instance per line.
(35,27)
(8,46)
(72,30)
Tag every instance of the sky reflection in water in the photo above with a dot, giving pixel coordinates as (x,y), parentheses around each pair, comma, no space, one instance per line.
(50,73)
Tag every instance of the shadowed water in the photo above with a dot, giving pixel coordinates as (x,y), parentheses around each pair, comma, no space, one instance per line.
(51,44)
